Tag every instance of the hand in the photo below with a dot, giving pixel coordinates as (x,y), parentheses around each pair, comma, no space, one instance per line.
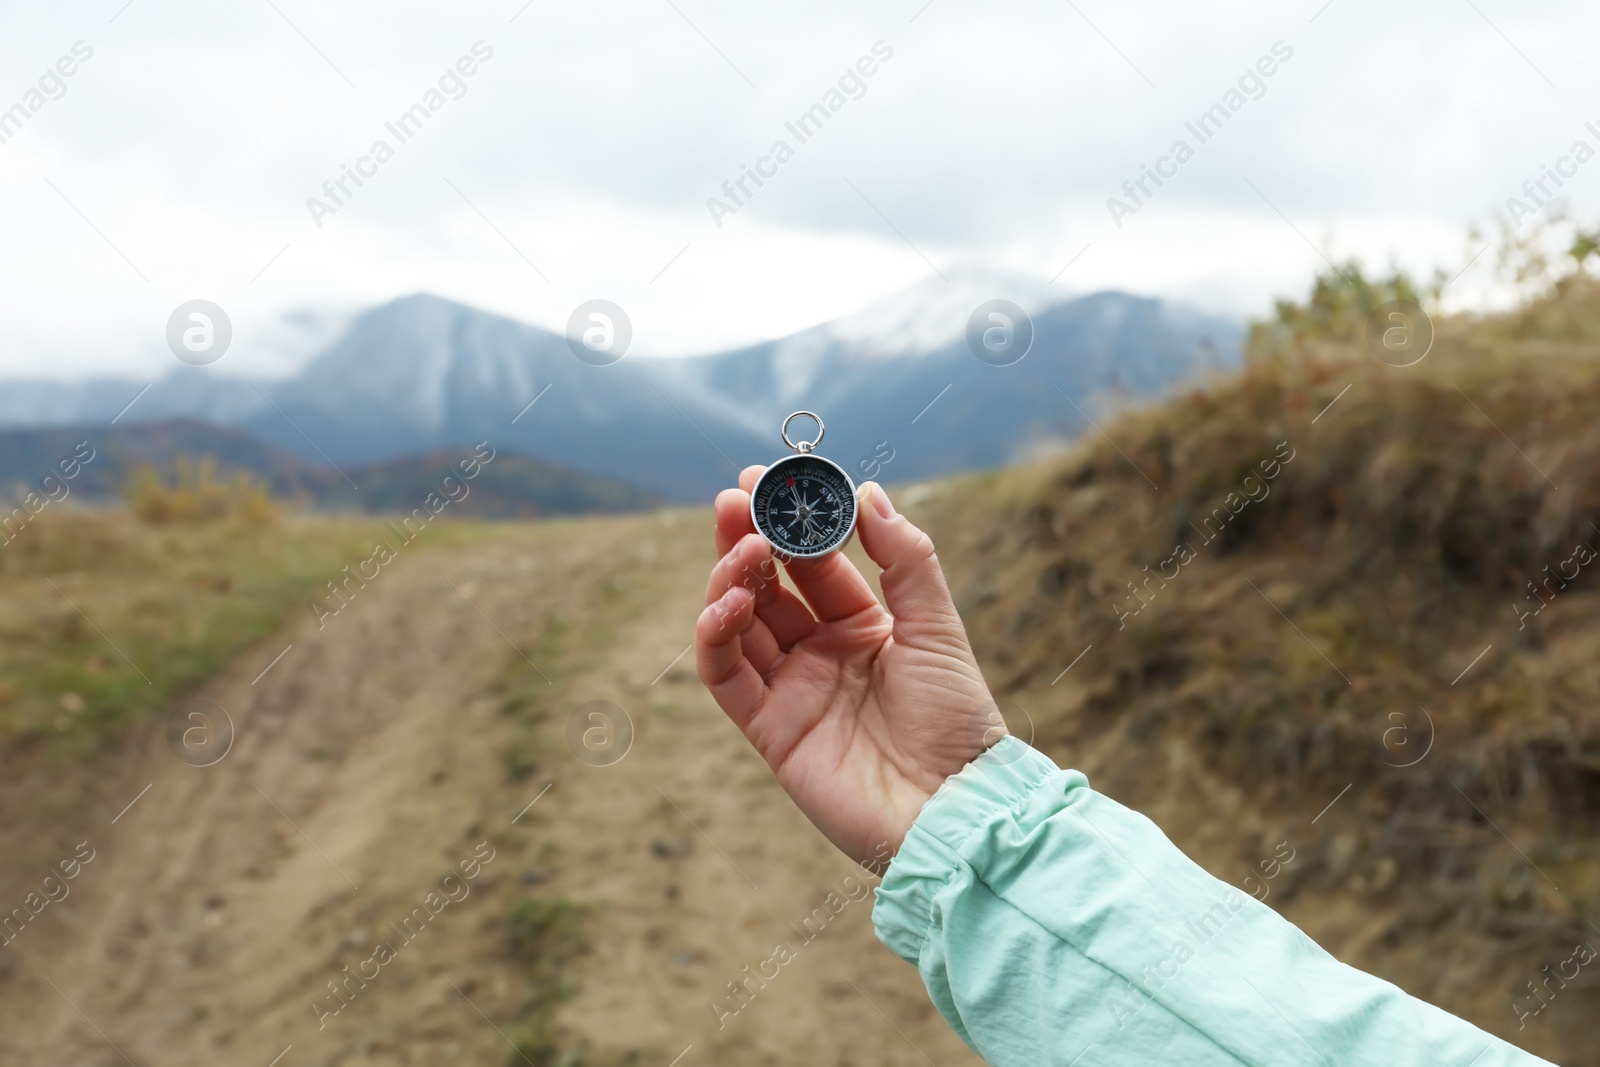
(861,712)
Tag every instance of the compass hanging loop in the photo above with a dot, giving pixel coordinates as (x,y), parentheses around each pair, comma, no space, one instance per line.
(803,447)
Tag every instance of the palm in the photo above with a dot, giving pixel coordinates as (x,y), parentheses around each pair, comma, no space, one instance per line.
(860,714)
(863,755)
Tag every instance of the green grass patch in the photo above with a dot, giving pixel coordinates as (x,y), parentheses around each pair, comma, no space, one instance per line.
(107,618)
(544,935)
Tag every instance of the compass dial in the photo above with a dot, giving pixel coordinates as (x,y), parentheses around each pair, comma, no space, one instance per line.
(805,505)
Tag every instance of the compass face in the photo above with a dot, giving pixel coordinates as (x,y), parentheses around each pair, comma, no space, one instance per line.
(805,505)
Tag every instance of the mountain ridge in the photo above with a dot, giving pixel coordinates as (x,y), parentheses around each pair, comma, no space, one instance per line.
(422,372)
(511,486)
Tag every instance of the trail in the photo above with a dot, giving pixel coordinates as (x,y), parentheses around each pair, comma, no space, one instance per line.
(369,760)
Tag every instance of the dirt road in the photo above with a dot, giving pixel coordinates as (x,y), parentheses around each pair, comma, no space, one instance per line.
(377,756)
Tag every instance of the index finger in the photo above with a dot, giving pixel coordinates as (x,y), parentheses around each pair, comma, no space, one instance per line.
(733,511)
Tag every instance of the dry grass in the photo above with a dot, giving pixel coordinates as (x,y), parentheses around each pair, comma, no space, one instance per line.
(106,616)
(197,495)
(1295,653)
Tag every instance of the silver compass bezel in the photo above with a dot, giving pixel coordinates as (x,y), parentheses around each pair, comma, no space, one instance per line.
(855,506)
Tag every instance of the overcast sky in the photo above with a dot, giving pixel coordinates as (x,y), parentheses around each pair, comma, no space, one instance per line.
(177,160)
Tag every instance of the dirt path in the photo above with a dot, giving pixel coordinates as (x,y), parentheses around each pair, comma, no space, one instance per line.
(371,760)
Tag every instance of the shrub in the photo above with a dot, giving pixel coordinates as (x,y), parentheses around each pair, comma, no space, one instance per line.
(197,495)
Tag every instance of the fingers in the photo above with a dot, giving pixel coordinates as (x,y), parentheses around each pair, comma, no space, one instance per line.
(719,657)
(733,519)
(749,564)
(914,588)
(733,510)
(760,647)
(832,586)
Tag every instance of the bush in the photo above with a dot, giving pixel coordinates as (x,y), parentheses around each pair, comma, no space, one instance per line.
(197,495)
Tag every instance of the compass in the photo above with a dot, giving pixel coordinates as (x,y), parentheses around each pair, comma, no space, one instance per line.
(803,504)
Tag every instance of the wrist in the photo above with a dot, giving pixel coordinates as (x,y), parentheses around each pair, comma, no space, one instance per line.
(901,814)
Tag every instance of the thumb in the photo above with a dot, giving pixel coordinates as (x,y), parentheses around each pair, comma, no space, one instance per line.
(914,588)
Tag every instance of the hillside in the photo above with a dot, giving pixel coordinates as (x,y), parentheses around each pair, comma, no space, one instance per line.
(27,455)
(512,486)
(1350,658)
(1332,700)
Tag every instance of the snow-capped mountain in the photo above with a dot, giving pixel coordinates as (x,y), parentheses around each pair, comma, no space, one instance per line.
(929,315)
(937,407)
(421,373)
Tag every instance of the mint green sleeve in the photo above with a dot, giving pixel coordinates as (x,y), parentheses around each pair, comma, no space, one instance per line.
(1052,926)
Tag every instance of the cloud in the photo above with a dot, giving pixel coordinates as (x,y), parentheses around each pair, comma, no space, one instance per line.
(586,149)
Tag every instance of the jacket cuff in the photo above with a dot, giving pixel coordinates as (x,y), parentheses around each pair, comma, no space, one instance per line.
(995,786)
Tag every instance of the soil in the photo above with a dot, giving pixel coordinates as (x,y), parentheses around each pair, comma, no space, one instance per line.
(369,762)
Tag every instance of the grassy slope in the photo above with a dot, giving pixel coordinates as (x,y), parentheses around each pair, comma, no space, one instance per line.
(1307,647)
(106,618)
